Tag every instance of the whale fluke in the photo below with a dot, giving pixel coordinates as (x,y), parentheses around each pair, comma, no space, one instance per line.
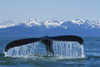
(47,41)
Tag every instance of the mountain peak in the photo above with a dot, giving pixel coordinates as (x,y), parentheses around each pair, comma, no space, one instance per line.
(6,24)
(32,22)
(53,22)
(78,21)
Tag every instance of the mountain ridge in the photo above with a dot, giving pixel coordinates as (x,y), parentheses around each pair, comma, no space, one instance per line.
(36,28)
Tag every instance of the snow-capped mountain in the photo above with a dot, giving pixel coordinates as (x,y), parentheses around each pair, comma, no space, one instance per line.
(7,24)
(86,23)
(53,27)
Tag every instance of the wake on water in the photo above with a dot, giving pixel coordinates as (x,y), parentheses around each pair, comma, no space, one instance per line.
(62,49)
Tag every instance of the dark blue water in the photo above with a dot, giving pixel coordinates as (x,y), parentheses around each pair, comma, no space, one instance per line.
(91,49)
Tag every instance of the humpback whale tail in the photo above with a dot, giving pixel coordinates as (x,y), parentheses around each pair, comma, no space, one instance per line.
(47,41)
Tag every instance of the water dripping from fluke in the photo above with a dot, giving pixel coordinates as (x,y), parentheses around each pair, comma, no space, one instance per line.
(69,50)
(22,51)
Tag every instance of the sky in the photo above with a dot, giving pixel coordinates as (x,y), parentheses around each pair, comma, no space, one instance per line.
(23,10)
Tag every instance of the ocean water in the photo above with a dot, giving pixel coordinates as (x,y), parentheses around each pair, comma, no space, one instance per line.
(91,50)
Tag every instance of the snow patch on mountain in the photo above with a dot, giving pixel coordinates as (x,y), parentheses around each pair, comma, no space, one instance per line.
(78,21)
(33,22)
(53,23)
(7,24)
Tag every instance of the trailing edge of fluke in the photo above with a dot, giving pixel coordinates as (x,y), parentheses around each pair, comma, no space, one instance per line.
(46,40)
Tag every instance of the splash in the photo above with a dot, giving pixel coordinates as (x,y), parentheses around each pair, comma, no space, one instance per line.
(61,49)
(68,49)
